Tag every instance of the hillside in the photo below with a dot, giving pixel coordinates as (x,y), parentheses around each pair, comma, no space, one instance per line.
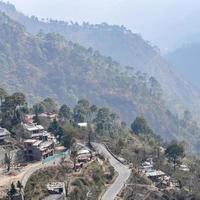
(125,47)
(186,60)
(46,65)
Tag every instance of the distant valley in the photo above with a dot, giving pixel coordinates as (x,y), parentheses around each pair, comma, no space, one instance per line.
(186,60)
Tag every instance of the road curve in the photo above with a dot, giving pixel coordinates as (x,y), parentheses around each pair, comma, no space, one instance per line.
(123,173)
(38,166)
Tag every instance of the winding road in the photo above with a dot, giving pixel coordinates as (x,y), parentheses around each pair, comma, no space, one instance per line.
(40,165)
(122,170)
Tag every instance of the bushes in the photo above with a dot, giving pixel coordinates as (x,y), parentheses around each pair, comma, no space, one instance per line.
(80,182)
(36,185)
(97,176)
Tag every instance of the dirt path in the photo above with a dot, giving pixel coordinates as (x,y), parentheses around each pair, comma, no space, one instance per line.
(6,181)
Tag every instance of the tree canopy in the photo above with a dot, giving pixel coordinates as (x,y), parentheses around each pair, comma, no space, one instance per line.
(174,151)
(140,126)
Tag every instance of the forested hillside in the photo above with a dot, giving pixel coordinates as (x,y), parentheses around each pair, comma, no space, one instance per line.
(125,47)
(48,65)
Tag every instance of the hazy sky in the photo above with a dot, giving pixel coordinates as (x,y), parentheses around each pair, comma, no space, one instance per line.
(160,21)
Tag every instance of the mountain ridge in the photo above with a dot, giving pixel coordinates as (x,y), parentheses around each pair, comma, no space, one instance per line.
(125,47)
(47,65)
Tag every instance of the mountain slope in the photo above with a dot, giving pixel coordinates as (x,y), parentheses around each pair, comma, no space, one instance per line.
(123,46)
(48,65)
(186,60)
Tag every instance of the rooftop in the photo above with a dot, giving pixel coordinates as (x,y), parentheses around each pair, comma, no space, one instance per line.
(44,133)
(61,148)
(45,144)
(155,173)
(33,127)
(49,115)
(83,151)
(55,185)
(4,132)
(83,124)
(30,141)
(37,143)
(184,168)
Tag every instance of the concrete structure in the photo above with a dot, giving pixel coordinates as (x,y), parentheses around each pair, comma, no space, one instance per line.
(33,128)
(4,135)
(84,152)
(38,132)
(82,125)
(38,149)
(184,168)
(44,135)
(84,155)
(56,190)
(56,187)
(60,149)
(154,175)
(50,116)
(146,166)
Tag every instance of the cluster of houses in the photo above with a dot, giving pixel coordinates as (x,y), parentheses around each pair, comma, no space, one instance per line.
(39,144)
(158,177)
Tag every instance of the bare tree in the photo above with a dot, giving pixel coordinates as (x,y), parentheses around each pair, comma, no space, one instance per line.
(74,154)
(8,160)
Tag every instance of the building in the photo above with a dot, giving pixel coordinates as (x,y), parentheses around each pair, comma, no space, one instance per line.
(49,116)
(184,168)
(44,135)
(56,191)
(84,155)
(38,149)
(84,152)
(155,175)
(56,187)
(33,128)
(147,166)
(82,125)
(30,129)
(60,149)
(4,135)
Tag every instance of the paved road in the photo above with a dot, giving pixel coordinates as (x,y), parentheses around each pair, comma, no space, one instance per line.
(123,173)
(29,172)
(40,165)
